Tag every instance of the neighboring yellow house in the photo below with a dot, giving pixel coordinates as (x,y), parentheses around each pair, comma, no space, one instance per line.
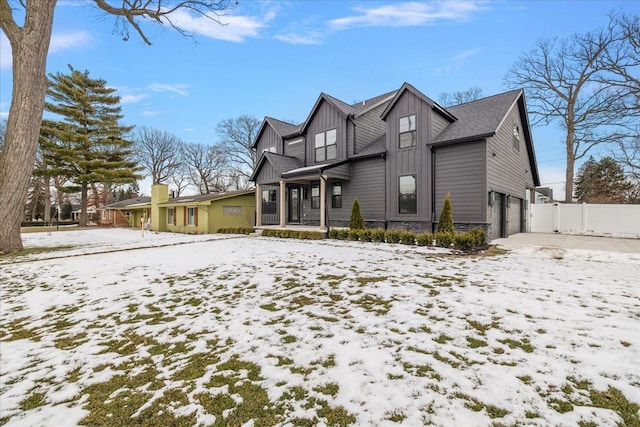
(201,214)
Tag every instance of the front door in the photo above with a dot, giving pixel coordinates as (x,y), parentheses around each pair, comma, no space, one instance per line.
(294,204)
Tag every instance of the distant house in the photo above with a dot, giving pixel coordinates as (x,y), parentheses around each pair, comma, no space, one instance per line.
(199,214)
(399,153)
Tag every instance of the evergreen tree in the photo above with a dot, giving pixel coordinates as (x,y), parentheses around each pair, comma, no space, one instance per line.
(88,145)
(445,222)
(357,222)
(601,182)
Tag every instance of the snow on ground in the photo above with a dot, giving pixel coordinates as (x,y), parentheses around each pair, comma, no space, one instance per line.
(316,332)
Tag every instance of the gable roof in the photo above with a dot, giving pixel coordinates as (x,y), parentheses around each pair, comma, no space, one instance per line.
(375,148)
(480,118)
(283,129)
(407,87)
(279,162)
(133,202)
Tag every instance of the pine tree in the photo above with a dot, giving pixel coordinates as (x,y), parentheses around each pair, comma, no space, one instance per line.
(601,182)
(88,145)
(357,222)
(445,222)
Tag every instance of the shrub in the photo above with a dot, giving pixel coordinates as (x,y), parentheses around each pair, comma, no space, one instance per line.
(354,234)
(407,237)
(464,241)
(366,235)
(479,237)
(424,239)
(357,222)
(444,240)
(392,236)
(333,233)
(235,230)
(378,235)
(445,222)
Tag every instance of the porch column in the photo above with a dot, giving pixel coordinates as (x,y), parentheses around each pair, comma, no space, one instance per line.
(323,202)
(258,205)
(283,190)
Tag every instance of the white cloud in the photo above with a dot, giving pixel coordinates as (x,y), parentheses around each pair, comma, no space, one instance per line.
(62,41)
(408,14)
(456,62)
(293,38)
(132,99)
(4,115)
(59,42)
(179,88)
(230,28)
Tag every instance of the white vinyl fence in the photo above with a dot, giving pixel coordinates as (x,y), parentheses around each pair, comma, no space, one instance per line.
(597,220)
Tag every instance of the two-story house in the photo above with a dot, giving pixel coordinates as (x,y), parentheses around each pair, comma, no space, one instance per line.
(399,153)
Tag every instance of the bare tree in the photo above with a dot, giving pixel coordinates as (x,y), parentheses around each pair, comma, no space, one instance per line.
(207,167)
(460,97)
(180,178)
(29,46)
(236,138)
(566,82)
(158,152)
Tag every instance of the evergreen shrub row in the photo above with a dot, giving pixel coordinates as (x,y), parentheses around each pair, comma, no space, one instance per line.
(464,241)
(293,234)
(235,230)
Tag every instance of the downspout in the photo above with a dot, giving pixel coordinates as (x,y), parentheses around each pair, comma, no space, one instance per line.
(433,189)
(350,117)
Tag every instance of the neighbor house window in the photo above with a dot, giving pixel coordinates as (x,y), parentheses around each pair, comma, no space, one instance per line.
(269,202)
(407,131)
(170,215)
(232,210)
(407,200)
(315,197)
(516,137)
(326,146)
(336,195)
(191,216)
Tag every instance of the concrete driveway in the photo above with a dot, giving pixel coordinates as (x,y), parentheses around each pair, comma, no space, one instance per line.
(570,241)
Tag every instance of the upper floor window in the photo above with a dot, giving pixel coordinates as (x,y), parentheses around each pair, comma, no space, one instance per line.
(336,195)
(315,197)
(325,146)
(516,137)
(407,195)
(407,130)
(271,149)
(269,198)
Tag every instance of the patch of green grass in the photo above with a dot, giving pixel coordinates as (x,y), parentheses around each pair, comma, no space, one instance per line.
(215,404)
(443,339)
(374,304)
(477,406)
(531,414)
(523,344)
(366,280)
(70,341)
(35,250)
(301,301)
(289,339)
(396,416)
(475,343)
(526,379)
(269,307)
(34,400)
(561,406)
(330,389)
(446,360)
(195,366)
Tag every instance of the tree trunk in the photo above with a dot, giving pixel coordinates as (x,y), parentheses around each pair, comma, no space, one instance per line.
(30,45)
(47,198)
(83,204)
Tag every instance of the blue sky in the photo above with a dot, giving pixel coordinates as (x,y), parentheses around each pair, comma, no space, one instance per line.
(275,57)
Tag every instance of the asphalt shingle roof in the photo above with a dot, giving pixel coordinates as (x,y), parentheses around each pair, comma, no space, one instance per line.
(283,129)
(476,118)
(129,202)
(378,146)
(283,163)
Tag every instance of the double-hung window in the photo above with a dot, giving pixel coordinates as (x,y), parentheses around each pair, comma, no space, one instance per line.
(325,146)
(315,197)
(407,131)
(171,215)
(336,195)
(191,215)
(269,202)
(407,195)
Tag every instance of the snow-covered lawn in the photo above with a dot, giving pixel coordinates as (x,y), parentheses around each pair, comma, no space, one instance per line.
(116,330)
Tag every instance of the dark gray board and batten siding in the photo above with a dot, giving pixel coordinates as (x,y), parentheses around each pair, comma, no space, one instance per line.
(370,126)
(268,139)
(409,161)
(326,118)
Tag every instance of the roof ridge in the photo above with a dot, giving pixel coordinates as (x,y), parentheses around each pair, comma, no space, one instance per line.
(484,98)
